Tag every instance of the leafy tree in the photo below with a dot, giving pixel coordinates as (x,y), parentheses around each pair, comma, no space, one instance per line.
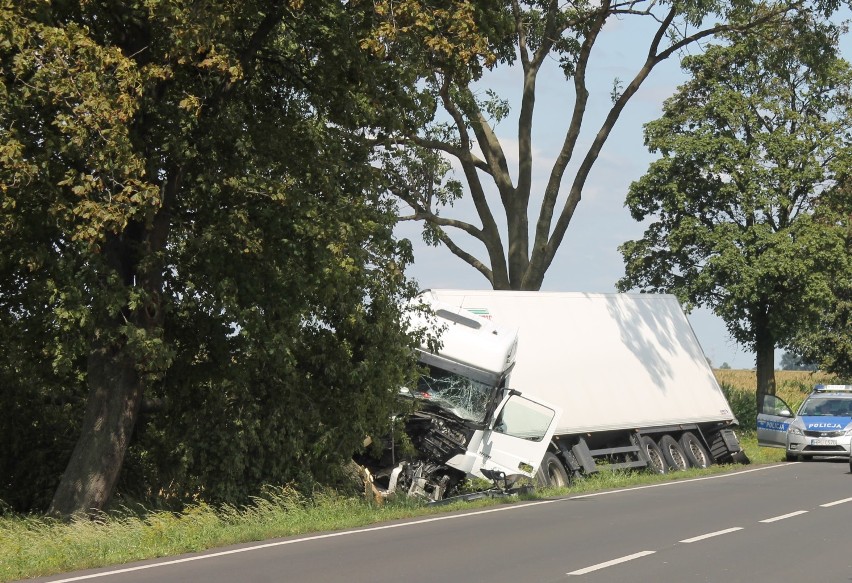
(198,279)
(526,34)
(829,343)
(792,361)
(749,147)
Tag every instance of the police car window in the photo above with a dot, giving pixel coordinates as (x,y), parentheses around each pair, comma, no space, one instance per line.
(825,407)
(772,405)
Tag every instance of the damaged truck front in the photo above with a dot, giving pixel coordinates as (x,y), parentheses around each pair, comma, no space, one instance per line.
(464,420)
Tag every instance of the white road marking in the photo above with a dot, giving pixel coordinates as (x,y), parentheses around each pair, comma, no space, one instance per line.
(611,563)
(711,534)
(677,482)
(280,543)
(389,526)
(783,516)
(835,503)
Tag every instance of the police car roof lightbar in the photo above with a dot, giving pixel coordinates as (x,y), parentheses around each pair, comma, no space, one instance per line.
(833,389)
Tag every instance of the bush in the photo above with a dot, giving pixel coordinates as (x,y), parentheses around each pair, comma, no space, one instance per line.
(743,403)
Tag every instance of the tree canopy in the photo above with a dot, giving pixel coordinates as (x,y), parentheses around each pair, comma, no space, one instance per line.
(829,342)
(751,148)
(519,227)
(199,286)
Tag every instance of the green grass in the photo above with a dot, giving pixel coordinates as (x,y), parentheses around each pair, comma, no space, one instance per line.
(33,546)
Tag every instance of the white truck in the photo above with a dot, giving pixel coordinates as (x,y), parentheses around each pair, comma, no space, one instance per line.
(555,385)
(627,370)
(465,421)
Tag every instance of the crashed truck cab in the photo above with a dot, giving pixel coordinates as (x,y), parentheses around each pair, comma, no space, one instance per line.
(466,418)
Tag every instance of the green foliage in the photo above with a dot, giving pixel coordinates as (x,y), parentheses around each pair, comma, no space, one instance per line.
(187,196)
(792,361)
(829,343)
(743,404)
(749,148)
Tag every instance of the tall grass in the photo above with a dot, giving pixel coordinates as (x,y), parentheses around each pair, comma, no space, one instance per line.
(33,546)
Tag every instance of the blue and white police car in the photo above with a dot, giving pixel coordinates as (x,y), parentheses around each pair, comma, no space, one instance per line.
(822,427)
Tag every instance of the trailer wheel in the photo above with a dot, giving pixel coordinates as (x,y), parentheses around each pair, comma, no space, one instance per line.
(552,472)
(673,453)
(695,451)
(657,463)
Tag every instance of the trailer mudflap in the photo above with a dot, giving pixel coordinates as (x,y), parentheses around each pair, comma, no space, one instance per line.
(726,448)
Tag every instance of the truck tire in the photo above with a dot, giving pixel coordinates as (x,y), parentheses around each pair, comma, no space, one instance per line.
(657,464)
(673,453)
(695,451)
(552,472)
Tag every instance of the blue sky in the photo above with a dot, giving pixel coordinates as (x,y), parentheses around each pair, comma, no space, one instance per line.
(588,260)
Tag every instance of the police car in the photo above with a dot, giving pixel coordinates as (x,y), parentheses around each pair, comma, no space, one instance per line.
(822,427)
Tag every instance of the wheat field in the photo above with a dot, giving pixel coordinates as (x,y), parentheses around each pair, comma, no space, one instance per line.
(792,386)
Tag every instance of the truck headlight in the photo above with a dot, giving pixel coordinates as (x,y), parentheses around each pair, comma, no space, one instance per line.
(795,431)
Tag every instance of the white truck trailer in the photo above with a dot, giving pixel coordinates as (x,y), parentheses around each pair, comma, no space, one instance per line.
(627,370)
(551,385)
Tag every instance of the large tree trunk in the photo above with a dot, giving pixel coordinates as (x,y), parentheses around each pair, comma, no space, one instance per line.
(116,387)
(112,407)
(764,358)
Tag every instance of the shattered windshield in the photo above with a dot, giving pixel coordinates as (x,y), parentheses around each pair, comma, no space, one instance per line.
(462,395)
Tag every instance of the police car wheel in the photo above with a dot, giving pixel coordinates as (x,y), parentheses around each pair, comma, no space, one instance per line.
(792,457)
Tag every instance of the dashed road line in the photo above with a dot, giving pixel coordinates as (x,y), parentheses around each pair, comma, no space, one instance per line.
(783,516)
(711,534)
(611,563)
(697,538)
(835,503)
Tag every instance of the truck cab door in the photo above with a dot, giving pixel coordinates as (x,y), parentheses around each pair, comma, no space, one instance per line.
(517,440)
(773,419)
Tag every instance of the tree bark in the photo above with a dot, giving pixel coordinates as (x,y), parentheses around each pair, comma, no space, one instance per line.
(116,388)
(764,357)
(112,407)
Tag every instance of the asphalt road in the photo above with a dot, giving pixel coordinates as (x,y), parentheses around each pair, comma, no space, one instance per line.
(782,523)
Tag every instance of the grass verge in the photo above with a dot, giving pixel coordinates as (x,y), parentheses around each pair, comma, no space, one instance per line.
(33,546)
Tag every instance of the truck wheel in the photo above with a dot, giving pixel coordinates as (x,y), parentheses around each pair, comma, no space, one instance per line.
(552,472)
(695,451)
(657,463)
(673,453)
